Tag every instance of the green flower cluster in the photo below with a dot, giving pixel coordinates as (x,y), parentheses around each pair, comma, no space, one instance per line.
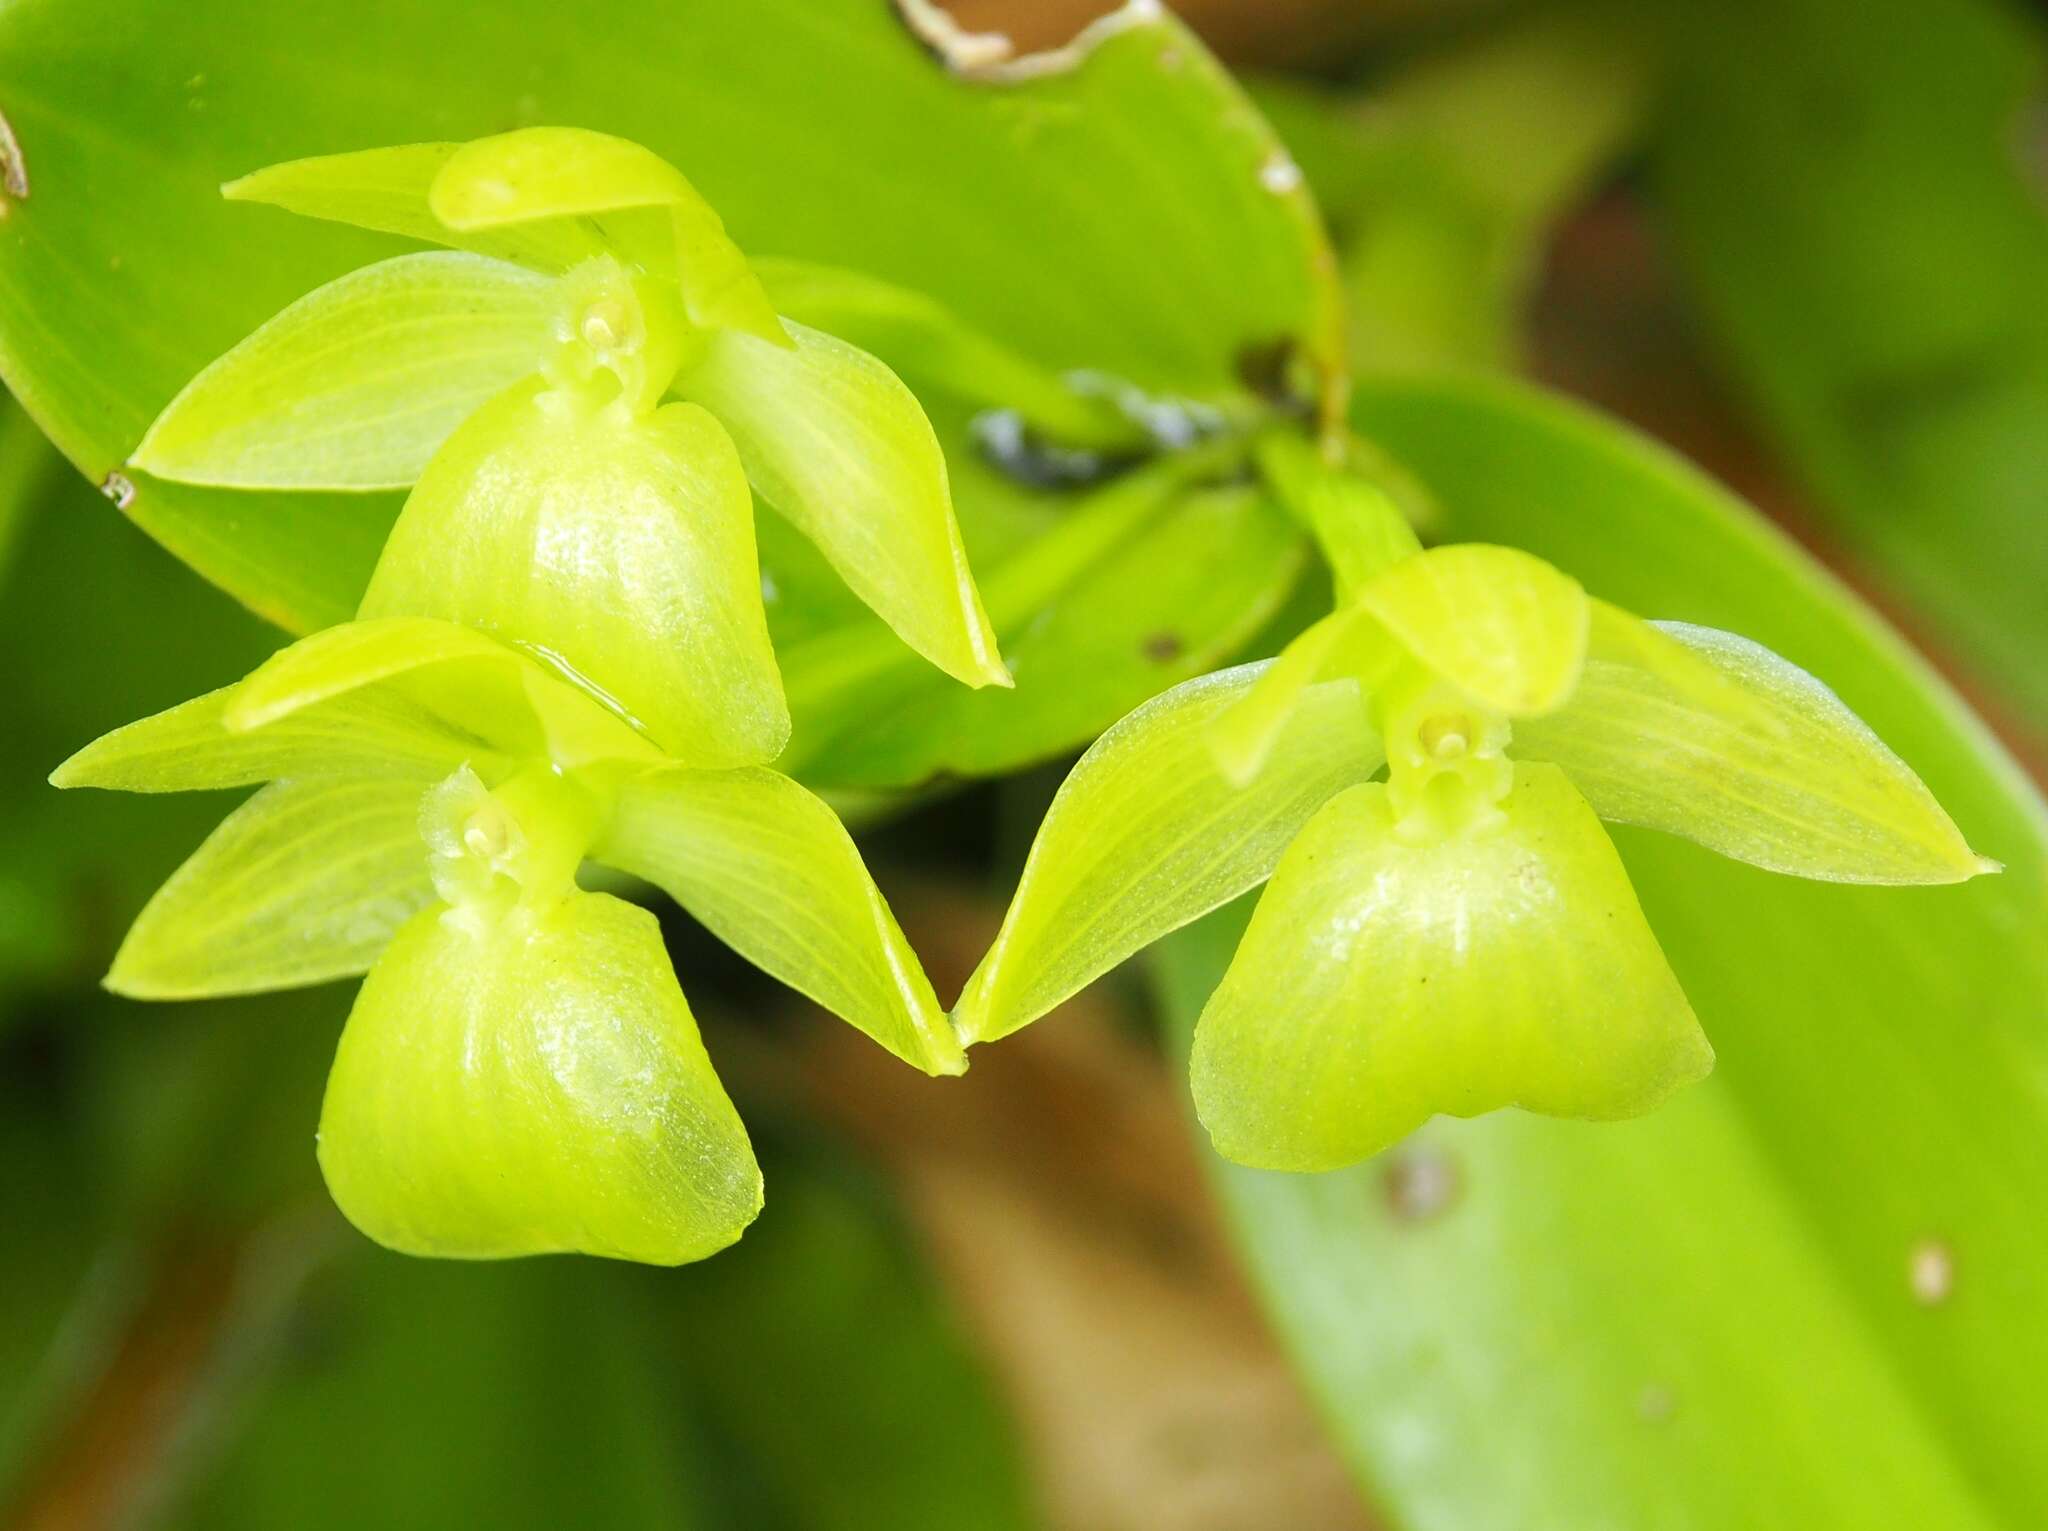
(563,657)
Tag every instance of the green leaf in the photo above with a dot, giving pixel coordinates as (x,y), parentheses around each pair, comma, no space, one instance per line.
(832,440)
(1146,834)
(1866,247)
(305,882)
(356,384)
(1382,981)
(1766,766)
(619,548)
(923,341)
(772,872)
(533,1085)
(190,748)
(1849,1199)
(386,190)
(537,175)
(1506,628)
(466,678)
(820,130)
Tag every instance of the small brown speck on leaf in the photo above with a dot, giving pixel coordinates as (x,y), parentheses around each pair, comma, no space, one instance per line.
(1163,648)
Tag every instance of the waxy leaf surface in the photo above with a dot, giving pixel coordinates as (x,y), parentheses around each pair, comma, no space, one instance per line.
(1111,216)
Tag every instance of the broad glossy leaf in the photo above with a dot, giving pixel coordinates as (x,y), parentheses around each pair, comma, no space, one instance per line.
(1381,982)
(772,872)
(305,882)
(533,1085)
(923,341)
(1185,593)
(1506,628)
(1839,1223)
(819,129)
(1146,834)
(1767,766)
(539,175)
(1868,249)
(835,442)
(189,747)
(386,189)
(620,549)
(356,384)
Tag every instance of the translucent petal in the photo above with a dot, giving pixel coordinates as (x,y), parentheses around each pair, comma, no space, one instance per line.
(929,344)
(772,872)
(1708,735)
(357,383)
(305,882)
(1345,642)
(1147,834)
(1502,626)
(540,174)
(190,748)
(832,440)
(620,548)
(532,1085)
(1381,982)
(386,190)
(474,683)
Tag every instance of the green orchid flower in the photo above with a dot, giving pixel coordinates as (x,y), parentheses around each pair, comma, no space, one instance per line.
(580,394)
(520,1072)
(1458,935)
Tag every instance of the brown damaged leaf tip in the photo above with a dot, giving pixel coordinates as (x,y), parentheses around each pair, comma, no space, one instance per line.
(992,56)
(13,168)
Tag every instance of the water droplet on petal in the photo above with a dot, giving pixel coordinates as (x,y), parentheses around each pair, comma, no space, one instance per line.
(1931,1273)
(118,488)
(1420,1184)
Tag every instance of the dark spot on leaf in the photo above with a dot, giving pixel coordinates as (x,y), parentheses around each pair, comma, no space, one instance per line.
(1163,648)
(1267,368)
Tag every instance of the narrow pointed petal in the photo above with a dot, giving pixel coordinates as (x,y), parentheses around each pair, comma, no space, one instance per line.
(387,189)
(355,385)
(771,871)
(467,680)
(1147,834)
(1242,737)
(303,883)
(1705,734)
(923,341)
(539,175)
(531,1085)
(835,442)
(620,548)
(1504,627)
(1381,982)
(189,748)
